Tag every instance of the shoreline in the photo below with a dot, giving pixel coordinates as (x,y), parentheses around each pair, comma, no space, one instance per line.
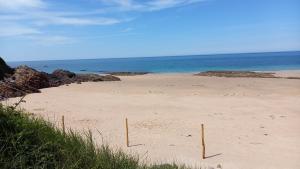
(165,111)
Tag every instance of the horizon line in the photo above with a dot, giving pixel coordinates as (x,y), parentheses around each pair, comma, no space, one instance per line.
(204,54)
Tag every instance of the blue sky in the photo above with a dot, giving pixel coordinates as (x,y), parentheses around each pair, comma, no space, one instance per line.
(73,29)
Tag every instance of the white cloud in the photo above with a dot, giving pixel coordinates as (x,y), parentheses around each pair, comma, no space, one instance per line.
(62,20)
(150,5)
(52,40)
(29,17)
(18,4)
(164,4)
(16,30)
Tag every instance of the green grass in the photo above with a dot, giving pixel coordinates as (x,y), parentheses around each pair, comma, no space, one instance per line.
(28,142)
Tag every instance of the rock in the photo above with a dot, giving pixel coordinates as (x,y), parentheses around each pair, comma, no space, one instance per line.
(23,80)
(88,78)
(5,70)
(61,77)
(95,78)
(127,73)
(8,89)
(60,73)
(55,81)
(238,74)
(30,79)
(110,78)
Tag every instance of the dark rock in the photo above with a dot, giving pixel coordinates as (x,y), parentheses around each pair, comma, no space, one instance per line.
(5,70)
(293,78)
(109,78)
(238,74)
(127,73)
(61,77)
(55,81)
(60,73)
(8,89)
(95,78)
(27,77)
(23,80)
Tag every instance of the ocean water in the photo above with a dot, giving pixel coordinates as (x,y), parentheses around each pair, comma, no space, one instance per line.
(171,64)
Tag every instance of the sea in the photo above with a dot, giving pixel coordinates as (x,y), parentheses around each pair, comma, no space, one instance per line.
(266,61)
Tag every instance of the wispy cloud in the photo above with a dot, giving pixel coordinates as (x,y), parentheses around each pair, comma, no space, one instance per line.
(146,6)
(52,40)
(32,17)
(74,21)
(7,30)
(18,4)
(127,30)
(164,4)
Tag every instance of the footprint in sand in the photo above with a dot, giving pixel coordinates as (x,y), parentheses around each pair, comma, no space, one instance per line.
(272,117)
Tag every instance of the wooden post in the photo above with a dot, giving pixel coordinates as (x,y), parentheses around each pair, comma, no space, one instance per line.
(127,137)
(63,124)
(203,142)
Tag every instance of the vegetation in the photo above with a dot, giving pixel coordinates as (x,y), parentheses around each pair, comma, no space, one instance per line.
(30,142)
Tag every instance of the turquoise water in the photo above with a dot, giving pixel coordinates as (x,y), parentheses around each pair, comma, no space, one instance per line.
(169,64)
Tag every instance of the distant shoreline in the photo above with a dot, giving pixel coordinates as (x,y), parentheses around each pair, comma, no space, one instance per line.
(177,64)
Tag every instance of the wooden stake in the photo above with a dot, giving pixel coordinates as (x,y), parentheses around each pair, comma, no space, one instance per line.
(203,143)
(127,137)
(63,124)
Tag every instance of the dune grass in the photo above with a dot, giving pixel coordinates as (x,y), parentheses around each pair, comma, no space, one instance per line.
(30,142)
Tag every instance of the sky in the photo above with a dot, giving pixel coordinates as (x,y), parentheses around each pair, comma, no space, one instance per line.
(79,29)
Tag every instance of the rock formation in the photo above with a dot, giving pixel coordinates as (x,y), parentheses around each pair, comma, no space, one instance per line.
(23,80)
(5,70)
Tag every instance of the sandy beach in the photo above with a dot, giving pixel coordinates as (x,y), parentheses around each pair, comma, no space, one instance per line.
(250,123)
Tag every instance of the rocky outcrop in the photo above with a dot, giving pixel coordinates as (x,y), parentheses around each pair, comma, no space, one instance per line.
(96,78)
(30,78)
(238,74)
(9,89)
(23,80)
(62,74)
(5,70)
(127,73)
(62,77)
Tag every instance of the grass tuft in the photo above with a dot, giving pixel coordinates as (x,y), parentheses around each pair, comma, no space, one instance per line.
(29,142)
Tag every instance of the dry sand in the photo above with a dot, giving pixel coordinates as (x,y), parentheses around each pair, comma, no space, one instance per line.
(250,123)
